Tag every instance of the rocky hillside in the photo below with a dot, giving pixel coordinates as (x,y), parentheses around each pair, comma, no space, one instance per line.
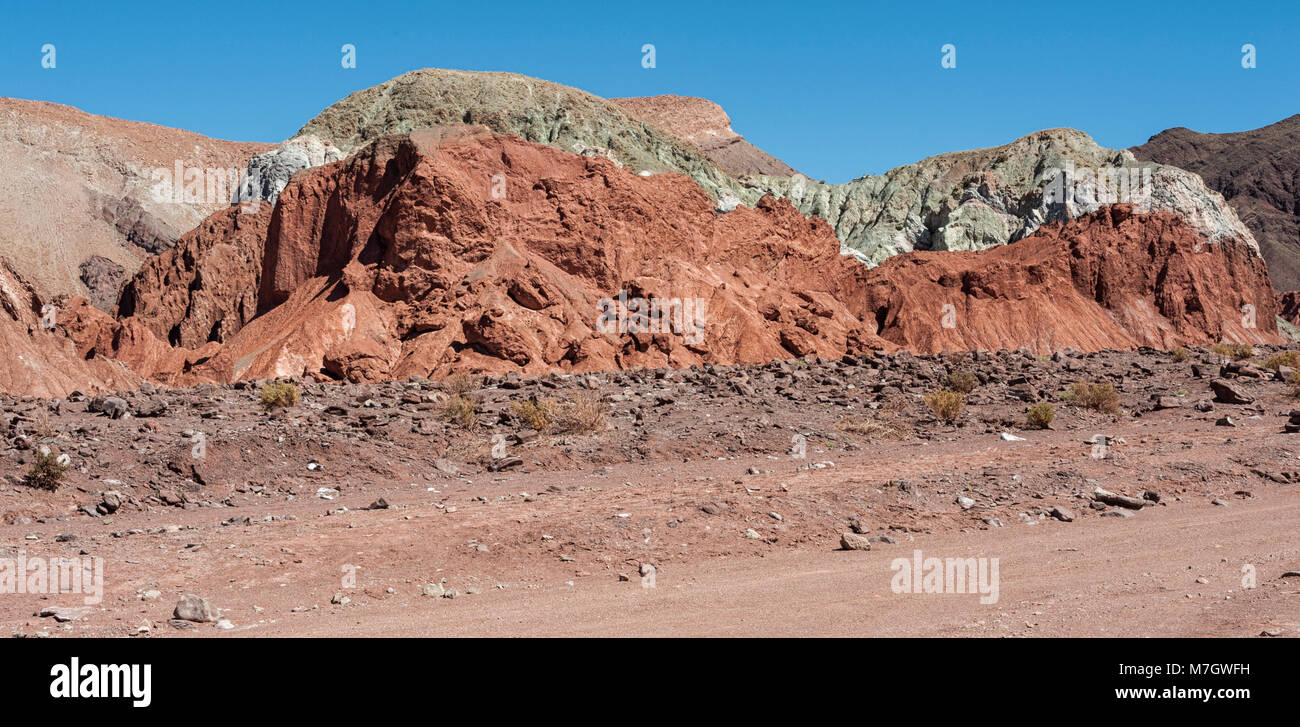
(1258,172)
(39,360)
(969,200)
(704,124)
(974,200)
(542,112)
(401,261)
(81,211)
(1108,279)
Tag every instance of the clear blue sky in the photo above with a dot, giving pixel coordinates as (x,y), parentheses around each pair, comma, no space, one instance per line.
(835,89)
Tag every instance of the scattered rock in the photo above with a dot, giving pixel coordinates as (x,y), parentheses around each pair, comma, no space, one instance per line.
(196,609)
(853,541)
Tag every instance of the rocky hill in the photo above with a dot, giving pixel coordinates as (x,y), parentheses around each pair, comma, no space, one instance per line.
(37,358)
(1258,172)
(542,112)
(401,261)
(704,124)
(83,207)
(974,200)
(968,200)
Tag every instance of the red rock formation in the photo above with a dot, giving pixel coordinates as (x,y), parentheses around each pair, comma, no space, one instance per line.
(205,288)
(1112,279)
(42,361)
(402,261)
(437,253)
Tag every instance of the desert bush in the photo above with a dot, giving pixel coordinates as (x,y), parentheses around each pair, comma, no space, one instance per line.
(946,403)
(585,413)
(461,410)
(46,472)
(1290,359)
(877,428)
(1235,351)
(961,381)
(1040,416)
(1100,397)
(536,413)
(279,394)
(1180,354)
(462,385)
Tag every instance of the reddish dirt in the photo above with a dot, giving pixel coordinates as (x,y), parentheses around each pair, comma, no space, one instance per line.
(690,461)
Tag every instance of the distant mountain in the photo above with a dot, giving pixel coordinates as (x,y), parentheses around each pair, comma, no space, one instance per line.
(83,205)
(1258,172)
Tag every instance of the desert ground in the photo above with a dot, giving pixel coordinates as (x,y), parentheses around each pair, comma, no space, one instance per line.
(717,501)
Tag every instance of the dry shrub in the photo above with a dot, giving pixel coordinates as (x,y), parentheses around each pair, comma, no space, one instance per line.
(946,403)
(1235,351)
(46,472)
(1100,397)
(1293,386)
(461,386)
(1040,416)
(1180,354)
(534,412)
(961,381)
(1290,359)
(461,410)
(877,428)
(279,394)
(584,414)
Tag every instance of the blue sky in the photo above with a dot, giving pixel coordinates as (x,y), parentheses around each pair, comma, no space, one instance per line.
(835,89)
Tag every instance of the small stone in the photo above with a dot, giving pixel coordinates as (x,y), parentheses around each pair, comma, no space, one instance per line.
(853,541)
(194,608)
(434,589)
(1062,514)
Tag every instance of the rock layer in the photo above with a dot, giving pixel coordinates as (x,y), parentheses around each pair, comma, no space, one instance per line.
(1109,279)
(36,357)
(542,112)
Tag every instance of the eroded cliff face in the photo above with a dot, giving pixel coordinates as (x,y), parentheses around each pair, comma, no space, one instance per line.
(982,198)
(1109,279)
(36,356)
